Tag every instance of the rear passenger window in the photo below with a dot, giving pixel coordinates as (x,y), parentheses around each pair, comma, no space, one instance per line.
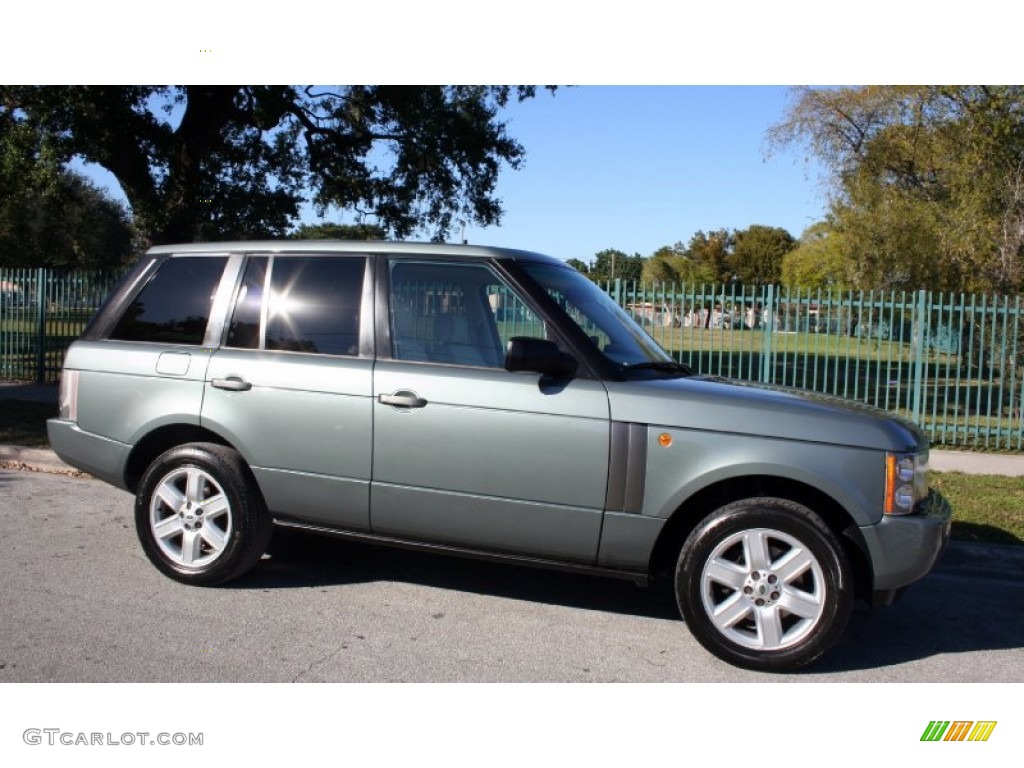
(174,306)
(314,304)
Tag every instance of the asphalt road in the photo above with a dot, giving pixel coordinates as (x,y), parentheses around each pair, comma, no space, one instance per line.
(81,603)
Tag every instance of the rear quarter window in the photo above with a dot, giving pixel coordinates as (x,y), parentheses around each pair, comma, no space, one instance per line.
(174,306)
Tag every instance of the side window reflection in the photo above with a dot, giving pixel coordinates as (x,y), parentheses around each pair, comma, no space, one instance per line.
(175,305)
(311,305)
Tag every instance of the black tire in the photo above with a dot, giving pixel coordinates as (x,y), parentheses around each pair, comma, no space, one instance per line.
(200,516)
(775,611)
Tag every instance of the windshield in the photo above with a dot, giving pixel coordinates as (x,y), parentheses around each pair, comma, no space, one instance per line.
(607,324)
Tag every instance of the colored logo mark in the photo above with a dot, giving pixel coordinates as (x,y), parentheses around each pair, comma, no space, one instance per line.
(958,730)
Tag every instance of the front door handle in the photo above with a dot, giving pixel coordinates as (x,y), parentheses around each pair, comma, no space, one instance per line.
(403,398)
(232,384)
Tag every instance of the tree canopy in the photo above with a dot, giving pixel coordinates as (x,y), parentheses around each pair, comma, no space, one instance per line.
(818,260)
(51,217)
(709,253)
(339,232)
(201,162)
(668,264)
(612,263)
(757,255)
(753,255)
(927,182)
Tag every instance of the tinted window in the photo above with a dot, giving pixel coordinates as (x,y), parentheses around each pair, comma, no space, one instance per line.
(244,330)
(314,304)
(175,304)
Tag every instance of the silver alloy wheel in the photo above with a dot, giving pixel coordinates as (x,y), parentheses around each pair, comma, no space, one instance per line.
(190,517)
(763,589)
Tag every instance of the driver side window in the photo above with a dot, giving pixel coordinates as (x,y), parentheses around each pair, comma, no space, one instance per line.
(455,314)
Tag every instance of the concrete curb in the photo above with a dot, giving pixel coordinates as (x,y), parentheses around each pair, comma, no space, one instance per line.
(35,460)
(977,463)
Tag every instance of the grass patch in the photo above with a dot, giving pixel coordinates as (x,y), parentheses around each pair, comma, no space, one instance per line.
(986,508)
(23,422)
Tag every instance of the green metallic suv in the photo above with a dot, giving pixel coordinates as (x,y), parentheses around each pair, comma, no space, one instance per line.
(487,402)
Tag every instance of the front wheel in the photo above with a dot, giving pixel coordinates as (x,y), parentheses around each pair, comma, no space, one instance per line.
(764,584)
(200,516)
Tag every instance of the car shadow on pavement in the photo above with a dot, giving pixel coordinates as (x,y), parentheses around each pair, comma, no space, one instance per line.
(942,614)
(300,560)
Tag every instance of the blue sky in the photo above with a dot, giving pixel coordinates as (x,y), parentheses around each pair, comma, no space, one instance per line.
(635,168)
(639,167)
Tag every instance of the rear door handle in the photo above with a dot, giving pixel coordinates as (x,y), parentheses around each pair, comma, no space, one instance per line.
(403,398)
(232,384)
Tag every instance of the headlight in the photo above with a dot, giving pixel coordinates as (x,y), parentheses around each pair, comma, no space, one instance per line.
(906,481)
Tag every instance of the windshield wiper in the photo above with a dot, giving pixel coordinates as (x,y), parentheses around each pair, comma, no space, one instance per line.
(664,366)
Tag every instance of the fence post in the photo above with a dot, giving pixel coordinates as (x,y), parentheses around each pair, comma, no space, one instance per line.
(617,295)
(919,334)
(41,325)
(768,311)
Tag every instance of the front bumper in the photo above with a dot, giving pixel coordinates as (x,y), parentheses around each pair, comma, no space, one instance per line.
(904,549)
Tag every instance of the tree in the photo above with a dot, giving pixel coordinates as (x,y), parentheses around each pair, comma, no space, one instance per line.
(757,255)
(72,224)
(703,260)
(668,264)
(204,162)
(578,265)
(927,181)
(818,261)
(709,254)
(339,232)
(50,217)
(610,264)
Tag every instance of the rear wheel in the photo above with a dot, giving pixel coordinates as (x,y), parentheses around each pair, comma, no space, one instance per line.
(200,516)
(763,583)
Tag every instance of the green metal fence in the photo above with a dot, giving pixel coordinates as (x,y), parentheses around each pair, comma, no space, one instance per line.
(41,312)
(952,363)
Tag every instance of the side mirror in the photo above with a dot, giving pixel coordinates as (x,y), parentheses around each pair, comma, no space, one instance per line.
(525,353)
